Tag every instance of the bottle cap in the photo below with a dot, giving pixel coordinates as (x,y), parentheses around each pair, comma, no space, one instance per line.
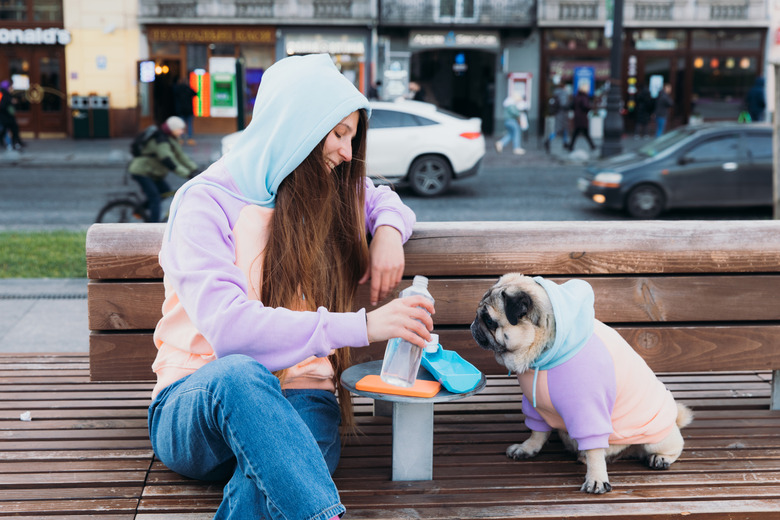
(433,345)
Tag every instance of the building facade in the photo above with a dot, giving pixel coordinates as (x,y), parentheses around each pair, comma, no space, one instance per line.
(467,55)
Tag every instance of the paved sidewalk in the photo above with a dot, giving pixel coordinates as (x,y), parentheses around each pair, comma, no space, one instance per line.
(43,315)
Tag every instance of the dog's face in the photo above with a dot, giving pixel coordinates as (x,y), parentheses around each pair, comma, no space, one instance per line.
(515,320)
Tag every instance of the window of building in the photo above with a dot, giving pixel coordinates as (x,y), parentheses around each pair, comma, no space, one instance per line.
(720,84)
(31,10)
(576,39)
(727,39)
(456,10)
(47,10)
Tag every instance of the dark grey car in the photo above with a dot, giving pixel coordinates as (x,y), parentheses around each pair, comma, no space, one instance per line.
(706,165)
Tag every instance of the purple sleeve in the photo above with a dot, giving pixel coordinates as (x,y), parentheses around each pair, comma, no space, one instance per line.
(583,392)
(533,420)
(198,260)
(385,208)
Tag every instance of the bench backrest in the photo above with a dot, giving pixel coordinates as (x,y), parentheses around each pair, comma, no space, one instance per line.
(688,295)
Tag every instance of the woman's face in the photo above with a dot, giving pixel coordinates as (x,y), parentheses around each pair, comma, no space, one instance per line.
(338,144)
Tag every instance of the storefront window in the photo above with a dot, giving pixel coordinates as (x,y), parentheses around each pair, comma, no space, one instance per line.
(222,49)
(657,39)
(197,57)
(14,10)
(50,81)
(257,58)
(20,78)
(164,49)
(576,39)
(720,84)
(726,39)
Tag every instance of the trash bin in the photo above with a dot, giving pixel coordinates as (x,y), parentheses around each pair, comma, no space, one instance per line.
(79,110)
(98,107)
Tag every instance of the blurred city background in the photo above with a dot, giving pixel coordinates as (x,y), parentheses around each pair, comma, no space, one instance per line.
(84,69)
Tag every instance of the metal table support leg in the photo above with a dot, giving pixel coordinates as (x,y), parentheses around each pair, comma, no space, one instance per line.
(412,441)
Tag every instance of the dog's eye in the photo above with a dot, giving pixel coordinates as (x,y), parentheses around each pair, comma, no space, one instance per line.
(488,321)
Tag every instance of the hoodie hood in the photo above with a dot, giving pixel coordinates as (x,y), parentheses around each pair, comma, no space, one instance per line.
(572,304)
(300,100)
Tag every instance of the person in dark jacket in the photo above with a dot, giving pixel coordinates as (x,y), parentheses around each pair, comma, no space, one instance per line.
(644,111)
(8,117)
(182,102)
(159,155)
(756,100)
(581,121)
(663,104)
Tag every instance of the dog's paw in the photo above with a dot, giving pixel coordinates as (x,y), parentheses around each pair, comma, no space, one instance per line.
(520,451)
(656,461)
(596,487)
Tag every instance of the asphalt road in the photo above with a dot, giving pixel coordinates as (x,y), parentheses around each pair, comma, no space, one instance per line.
(536,189)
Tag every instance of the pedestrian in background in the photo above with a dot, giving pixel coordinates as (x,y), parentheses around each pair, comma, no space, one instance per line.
(514,115)
(160,154)
(8,124)
(644,112)
(663,105)
(182,102)
(262,259)
(756,100)
(581,120)
(559,106)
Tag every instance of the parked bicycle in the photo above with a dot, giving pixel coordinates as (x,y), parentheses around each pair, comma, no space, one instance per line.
(130,206)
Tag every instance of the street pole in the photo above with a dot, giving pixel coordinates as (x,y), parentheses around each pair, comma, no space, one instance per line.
(613,123)
(776,147)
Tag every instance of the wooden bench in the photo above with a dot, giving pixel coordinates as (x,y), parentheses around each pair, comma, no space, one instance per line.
(700,301)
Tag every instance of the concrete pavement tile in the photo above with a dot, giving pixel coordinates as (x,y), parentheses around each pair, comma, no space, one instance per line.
(47,325)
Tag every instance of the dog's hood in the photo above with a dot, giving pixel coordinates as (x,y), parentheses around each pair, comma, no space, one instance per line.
(572,305)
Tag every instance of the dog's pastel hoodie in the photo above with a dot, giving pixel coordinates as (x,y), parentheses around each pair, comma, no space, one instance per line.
(211,252)
(591,383)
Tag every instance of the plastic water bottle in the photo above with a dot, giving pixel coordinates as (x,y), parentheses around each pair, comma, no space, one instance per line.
(402,359)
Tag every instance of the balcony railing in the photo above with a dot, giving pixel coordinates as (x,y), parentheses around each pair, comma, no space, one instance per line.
(352,12)
(501,13)
(669,13)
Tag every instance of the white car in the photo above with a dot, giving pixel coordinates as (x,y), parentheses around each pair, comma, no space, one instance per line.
(416,143)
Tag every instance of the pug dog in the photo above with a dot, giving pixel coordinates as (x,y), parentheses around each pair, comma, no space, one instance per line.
(578,376)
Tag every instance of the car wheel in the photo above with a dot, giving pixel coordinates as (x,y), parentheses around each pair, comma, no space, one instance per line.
(430,175)
(645,201)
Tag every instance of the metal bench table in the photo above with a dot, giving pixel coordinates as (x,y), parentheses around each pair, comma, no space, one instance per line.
(412,421)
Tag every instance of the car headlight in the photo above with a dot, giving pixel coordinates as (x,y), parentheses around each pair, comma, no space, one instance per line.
(608,179)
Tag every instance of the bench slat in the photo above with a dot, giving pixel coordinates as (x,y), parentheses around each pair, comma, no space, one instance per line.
(666,348)
(137,305)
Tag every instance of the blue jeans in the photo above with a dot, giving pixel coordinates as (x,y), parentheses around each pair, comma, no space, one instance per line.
(231,421)
(660,124)
(152,188)
(513,133)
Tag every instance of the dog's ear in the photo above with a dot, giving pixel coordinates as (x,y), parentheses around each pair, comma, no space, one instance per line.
(516,305)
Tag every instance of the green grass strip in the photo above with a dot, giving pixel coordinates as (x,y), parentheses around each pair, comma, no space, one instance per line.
(44,254)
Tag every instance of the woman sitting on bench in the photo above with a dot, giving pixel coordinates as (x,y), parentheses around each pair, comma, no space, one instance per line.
(262,257)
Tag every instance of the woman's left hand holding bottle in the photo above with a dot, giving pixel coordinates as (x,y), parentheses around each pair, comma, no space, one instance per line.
(406,318)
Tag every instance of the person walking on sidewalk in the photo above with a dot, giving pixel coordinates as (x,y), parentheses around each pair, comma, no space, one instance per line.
(515,118)
(559,106)
(644,111)
(158,155)
(8,124)
(262,258)
(756,100)
(581,121)
(182,103)
(662,106)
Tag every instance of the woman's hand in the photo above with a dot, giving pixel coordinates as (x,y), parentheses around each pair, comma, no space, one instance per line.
(404,318)
(386,262)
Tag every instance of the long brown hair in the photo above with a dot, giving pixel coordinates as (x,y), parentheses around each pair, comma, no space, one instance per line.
(317,249)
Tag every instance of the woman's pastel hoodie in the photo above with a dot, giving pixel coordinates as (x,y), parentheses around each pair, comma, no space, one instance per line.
(590,382)
(211,252)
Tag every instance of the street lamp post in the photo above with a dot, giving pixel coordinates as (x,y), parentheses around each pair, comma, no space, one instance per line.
(613,123)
